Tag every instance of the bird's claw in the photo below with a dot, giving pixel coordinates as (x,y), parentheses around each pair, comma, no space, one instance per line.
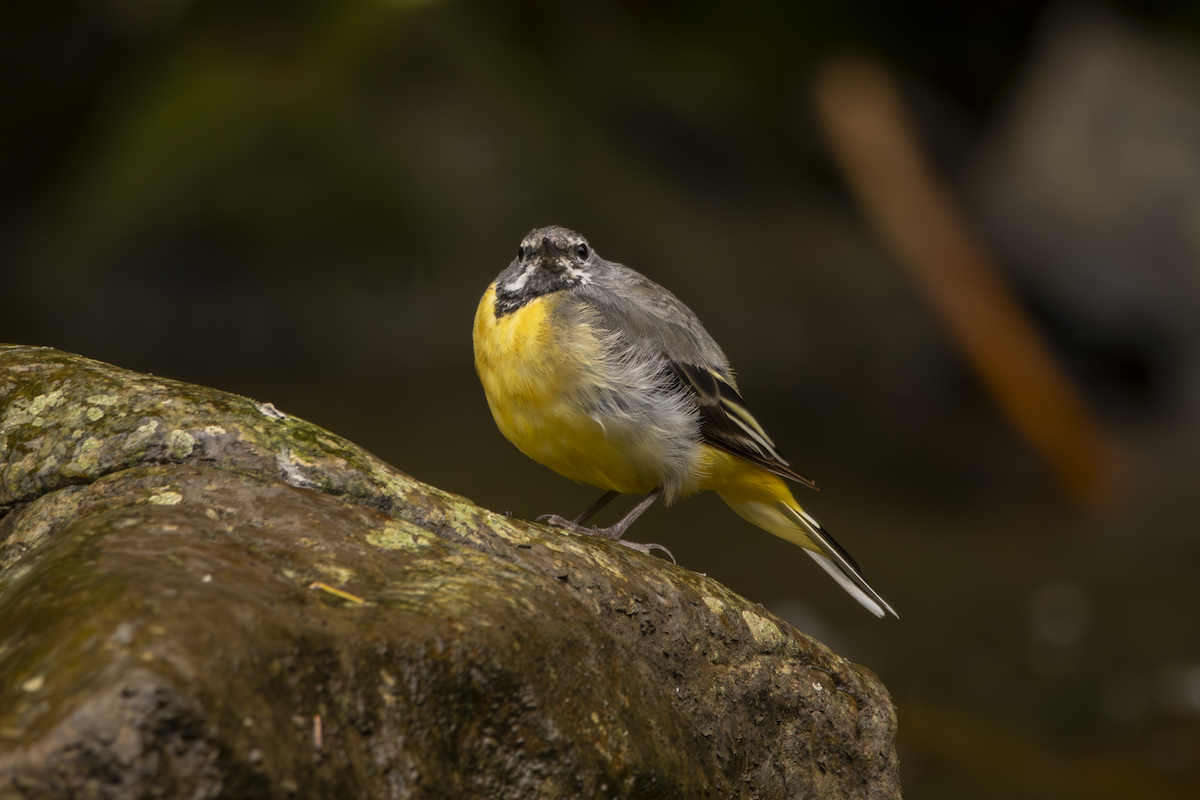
(647,547)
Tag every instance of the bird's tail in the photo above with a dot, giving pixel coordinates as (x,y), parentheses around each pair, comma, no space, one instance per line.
(787,520)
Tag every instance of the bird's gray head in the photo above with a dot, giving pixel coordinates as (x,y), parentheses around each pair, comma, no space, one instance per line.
(548,260)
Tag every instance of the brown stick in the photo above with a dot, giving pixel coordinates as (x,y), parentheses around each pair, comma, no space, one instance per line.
(874,142)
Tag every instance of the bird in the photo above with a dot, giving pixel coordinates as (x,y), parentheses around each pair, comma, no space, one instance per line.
(597,372)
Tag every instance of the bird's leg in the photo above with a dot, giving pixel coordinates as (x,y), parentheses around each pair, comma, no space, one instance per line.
(613,532)
(604,500)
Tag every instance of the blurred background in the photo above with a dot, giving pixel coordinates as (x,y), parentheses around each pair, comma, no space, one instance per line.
(302,202)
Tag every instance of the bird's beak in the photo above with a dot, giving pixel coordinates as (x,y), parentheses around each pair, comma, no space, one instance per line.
(550,256)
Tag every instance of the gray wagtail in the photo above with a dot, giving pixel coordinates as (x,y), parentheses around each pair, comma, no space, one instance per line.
(604,376)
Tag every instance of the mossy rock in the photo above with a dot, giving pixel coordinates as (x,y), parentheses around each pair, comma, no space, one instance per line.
(203,597)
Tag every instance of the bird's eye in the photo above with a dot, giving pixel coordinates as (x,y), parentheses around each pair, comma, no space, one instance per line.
(522,253)
(582,251)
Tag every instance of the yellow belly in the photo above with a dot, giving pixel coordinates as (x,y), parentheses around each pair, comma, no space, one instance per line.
(535,374)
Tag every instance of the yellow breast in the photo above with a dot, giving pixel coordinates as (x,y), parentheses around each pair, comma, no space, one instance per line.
(537,373)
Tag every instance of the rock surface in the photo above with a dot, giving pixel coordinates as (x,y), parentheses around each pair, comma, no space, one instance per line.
(203,597)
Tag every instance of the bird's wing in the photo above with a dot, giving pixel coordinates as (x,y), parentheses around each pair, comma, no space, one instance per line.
(658,326)
(726,423)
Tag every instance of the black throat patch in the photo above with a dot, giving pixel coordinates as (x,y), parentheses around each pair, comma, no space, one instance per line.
(514,290)
(507,302)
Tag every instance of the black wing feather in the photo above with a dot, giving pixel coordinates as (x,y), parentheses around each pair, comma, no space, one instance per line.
(726,422)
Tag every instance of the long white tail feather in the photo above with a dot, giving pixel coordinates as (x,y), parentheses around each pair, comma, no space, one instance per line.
(835,563)
(847,584)
(796,526)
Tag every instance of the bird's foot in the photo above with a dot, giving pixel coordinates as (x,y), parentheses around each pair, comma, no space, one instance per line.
(555,521)
(612,534)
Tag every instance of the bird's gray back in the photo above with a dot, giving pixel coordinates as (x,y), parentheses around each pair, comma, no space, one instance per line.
(651,320)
